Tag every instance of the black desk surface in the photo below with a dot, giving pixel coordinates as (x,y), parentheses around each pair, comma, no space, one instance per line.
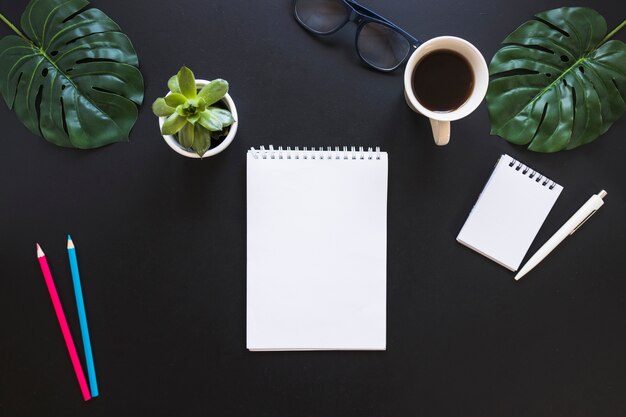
(161,240)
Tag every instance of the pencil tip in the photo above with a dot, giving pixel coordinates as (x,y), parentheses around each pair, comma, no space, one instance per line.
(69,237)
(39,251)
(70,244)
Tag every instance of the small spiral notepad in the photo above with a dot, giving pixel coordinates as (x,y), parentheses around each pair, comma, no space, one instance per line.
(509,212)
(316,249)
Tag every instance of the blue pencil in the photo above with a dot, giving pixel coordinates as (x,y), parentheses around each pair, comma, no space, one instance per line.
(82,317)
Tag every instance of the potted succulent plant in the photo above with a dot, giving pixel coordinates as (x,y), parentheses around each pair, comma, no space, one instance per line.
(197,117)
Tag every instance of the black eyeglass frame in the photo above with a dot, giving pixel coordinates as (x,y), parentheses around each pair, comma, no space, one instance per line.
(361,16)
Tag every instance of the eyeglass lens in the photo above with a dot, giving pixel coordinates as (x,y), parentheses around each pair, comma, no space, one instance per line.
(381,46)
(321,16)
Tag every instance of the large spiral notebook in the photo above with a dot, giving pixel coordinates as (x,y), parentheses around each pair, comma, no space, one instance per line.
(509,212)
(316,249)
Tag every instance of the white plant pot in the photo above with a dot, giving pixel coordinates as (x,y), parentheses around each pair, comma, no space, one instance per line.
(173,143)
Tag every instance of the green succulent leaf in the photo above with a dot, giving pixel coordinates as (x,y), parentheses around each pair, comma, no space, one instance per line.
(194,102)
(214,91)
(186,82)
(225,116)
(161,109)
(193,118)
(72,77)
(557,84)
(210,121)
(172,84)
(182,110)
(173,124)
(186,136)
(175,99)
(202,139)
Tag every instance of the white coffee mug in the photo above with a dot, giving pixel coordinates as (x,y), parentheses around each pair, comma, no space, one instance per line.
(440,121)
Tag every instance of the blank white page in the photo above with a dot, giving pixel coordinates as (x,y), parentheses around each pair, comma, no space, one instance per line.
(317,249)
(509,212)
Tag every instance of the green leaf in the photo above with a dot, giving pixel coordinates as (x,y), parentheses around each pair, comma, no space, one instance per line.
(194,118)
(175,99)
(214,91)
(194,102)
(186,82)
(186,136)
(210,121)
(225,116)
(202,140)
(201,103)
(161,109)
(172,84)
(555,85)
(72,77)
(173,124)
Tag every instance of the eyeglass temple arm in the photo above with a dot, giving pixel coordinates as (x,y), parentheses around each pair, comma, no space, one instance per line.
(367,12)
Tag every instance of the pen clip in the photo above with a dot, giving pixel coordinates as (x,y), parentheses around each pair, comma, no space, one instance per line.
(583,222)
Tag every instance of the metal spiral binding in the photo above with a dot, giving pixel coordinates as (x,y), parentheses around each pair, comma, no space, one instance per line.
(540,179)
(316,153)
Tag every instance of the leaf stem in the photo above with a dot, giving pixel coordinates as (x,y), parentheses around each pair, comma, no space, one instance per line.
(613,32)
(16,30)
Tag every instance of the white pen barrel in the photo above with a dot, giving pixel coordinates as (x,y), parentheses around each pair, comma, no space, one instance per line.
(570,226)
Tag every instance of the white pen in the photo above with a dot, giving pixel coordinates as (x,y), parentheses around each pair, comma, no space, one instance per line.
(568,229)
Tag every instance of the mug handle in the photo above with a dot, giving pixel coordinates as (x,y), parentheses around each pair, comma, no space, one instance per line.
(441,131)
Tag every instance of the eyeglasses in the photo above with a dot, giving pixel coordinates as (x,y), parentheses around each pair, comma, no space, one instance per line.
(380,44)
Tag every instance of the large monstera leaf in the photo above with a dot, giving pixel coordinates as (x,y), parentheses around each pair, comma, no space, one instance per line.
(71,76)
(557,83)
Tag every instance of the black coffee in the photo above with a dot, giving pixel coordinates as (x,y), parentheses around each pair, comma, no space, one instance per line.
(443,80)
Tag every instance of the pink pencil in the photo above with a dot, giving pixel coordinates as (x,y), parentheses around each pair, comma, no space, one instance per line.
(58,309)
